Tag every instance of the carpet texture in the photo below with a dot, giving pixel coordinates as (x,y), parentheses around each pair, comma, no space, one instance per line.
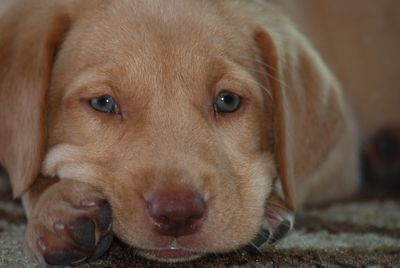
(362,232)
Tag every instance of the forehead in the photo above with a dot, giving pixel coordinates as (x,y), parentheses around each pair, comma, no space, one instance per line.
(157,43)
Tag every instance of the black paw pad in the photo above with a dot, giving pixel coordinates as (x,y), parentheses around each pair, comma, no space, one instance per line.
(83,232)
(64,257)
(54,255)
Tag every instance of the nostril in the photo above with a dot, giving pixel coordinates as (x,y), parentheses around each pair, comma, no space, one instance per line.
(161,221)
(176,213)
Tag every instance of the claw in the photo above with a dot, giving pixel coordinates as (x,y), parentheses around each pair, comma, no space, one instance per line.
(278,222)
(103,246)
(64,257)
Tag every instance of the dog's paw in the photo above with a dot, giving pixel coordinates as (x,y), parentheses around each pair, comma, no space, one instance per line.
(70,223)
(277,223)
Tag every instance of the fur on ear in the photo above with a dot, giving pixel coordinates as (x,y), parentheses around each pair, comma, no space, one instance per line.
(308,106)
(30,37)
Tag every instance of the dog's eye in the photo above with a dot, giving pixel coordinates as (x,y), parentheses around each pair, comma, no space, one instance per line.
(227,102)
(104,104)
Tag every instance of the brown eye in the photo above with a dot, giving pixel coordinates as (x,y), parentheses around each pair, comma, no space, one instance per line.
(227,102)
(104,104)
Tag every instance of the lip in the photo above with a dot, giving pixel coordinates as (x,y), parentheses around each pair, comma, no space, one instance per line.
(171,255)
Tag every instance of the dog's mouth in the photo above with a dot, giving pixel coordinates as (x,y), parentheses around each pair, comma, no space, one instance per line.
(173,253)
(276,225)
(170,255)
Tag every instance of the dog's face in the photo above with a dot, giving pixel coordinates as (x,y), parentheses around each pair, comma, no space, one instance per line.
(182,113)
(152,106)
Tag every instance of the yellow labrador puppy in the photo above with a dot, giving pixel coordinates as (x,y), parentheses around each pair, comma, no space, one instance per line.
(184,127)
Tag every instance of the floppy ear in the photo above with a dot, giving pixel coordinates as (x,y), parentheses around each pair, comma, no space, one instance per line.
(308,112)
(30,36)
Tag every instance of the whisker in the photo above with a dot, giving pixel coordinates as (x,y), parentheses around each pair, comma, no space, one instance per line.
(267,66)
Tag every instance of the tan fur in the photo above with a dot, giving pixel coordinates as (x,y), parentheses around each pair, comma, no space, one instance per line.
(165,62)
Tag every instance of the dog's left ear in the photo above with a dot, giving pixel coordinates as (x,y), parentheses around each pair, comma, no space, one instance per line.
(308,111)
(308,119)
(30,37)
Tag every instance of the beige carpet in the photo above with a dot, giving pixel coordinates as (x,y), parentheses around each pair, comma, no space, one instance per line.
(362,232)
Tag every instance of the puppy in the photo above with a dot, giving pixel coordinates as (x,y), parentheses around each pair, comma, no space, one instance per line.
(183,127)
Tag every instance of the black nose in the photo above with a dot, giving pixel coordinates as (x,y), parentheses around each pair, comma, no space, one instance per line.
(176,213)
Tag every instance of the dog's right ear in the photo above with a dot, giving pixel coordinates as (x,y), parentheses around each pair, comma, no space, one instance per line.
(30,35)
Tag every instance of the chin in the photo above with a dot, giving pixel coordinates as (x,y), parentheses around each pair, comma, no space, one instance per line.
(170,255)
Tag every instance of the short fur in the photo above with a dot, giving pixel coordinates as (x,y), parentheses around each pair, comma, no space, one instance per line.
(165,62)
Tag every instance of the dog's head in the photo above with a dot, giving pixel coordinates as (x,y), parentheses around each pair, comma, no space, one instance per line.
(183,113)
